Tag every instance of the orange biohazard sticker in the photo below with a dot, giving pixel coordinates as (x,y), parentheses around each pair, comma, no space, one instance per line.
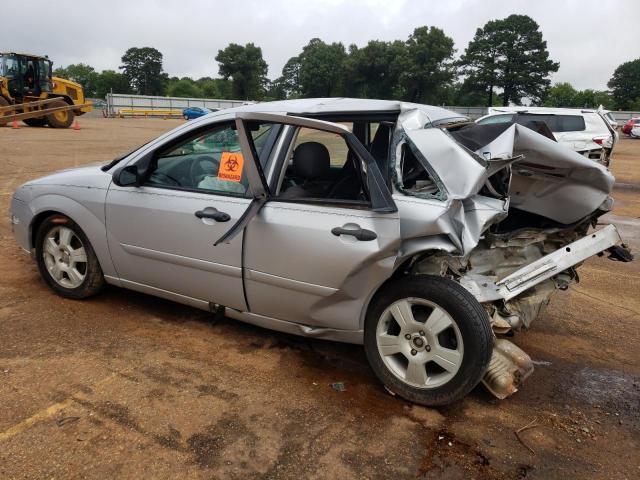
(231,164)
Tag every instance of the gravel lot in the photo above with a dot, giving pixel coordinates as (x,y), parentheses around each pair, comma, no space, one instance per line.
(130,386)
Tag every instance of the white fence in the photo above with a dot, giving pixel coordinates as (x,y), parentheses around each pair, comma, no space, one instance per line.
(116,102)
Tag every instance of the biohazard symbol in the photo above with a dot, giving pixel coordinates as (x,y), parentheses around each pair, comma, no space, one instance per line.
(231,164)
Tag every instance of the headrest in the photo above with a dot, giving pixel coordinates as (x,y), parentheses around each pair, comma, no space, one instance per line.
(311,160)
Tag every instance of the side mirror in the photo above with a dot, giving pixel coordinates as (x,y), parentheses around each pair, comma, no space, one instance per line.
(127,176)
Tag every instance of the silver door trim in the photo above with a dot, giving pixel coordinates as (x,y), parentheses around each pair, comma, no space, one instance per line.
(190,262)
(289,284)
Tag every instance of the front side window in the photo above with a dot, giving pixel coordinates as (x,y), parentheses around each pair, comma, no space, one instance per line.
(210,162)
(44,67)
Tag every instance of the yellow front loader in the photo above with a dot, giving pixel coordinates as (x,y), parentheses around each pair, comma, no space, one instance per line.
(29,92)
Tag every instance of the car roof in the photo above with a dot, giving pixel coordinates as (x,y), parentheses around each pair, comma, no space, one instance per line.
(541,110)
(326,106)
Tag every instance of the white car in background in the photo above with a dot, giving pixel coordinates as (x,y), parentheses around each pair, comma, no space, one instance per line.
(635,131)
(588,132)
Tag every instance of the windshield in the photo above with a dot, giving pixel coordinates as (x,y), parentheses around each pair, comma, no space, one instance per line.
(119,158)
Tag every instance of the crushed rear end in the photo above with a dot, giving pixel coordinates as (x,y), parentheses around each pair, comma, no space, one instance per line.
(511,214)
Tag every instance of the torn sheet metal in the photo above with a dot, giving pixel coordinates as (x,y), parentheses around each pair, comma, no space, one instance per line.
(456,215)
(534,272)
(550,179)
(545,179)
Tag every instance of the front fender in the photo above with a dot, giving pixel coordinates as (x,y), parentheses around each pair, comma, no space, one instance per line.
(86,209)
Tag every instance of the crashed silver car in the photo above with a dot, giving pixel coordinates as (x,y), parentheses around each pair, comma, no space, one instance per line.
(399,226)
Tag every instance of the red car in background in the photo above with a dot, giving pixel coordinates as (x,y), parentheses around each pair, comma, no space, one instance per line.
(627,127)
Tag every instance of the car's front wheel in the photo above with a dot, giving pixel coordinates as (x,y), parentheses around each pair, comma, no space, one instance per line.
(428,339)
(66,259)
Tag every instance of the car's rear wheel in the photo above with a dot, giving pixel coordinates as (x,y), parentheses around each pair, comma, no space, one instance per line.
(66,259)
(428,339)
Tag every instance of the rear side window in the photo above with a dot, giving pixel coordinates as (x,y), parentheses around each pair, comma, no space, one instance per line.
(415,178)
(335,144)
(556,123)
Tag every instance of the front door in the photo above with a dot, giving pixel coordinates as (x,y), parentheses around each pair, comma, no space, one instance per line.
(162,232)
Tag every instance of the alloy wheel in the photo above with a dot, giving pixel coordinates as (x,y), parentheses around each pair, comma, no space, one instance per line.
(419,342)
(65,257)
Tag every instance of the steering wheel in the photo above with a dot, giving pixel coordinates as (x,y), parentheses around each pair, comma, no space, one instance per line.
(196,170)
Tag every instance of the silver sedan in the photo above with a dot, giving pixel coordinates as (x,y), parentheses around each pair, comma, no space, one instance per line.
(399,226)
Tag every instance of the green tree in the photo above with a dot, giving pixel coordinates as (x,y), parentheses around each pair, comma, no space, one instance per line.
(143,69)
(562,95)
(466,94)
(215,87)
(82,74)
(246,69)
(511,55)
(374,70)
(288,84)
(184,87)
(427,66)
(321,71)
(593,99)
(111,81)
(625,85)
(275,90)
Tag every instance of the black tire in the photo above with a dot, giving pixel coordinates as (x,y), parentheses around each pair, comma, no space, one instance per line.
(93,278)
(473,327)
(60,119)
(3,103)
(36,122)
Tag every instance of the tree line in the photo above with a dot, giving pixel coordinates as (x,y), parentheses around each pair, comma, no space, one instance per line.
(506,62)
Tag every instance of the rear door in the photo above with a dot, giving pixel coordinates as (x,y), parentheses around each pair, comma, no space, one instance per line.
(315,261)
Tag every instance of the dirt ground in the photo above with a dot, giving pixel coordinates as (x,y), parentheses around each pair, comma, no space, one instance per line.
(125,385)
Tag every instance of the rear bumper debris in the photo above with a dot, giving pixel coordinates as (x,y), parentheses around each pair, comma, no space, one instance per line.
(508,369)
(486,290)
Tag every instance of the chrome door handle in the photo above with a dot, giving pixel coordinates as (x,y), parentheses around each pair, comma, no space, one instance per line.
(213,214)
(359,233)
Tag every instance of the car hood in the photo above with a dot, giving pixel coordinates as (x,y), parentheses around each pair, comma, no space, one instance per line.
(86,176)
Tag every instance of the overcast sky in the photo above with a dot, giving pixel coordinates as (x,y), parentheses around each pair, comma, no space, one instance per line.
(589,38)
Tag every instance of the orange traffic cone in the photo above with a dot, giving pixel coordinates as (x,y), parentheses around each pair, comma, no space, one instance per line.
(14,125)
(76,126)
